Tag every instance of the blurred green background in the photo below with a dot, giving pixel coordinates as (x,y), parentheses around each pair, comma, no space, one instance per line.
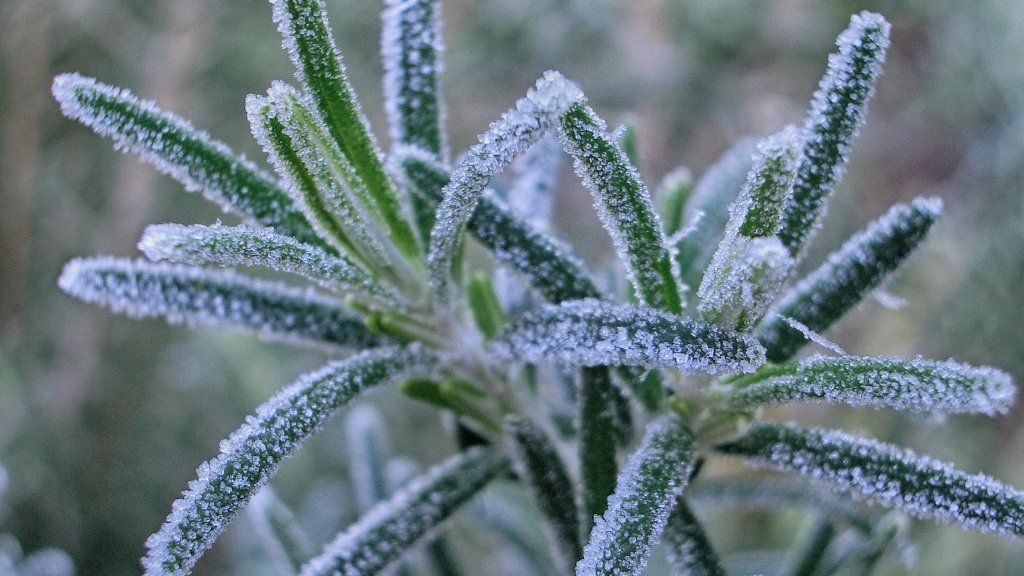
(103,420)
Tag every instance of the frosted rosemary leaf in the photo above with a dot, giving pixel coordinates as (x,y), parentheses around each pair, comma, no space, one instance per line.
(539,465)
(551,270)
(837,112)
(200,297)
(505,139)
(645,493)
(593,333)
(673,193)
(597,441)
(848,275)
(244,246)
(411,49)
(307,37)
(810,550)
(179,150)
(689,551)
(285,541)
(367,443)
(392,527)
(624,205)
(253,453)
(919,385)
(887,475)
(770,493)
(532,194)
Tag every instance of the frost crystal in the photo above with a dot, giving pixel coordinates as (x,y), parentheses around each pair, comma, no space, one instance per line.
(813,336)
(593,333)
(179,150)
(919,385)
(886,475)
(837,112)
(201,297)
(253,453)
(393,526)
(507,138)
(646,491)
(848,274)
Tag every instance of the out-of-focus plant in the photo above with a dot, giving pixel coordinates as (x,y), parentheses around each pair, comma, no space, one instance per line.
(401,253)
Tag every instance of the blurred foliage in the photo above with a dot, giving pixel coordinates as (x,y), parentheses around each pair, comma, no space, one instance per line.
(102,420)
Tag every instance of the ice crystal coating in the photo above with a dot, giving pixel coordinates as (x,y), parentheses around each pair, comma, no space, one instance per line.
(812,336)
(368,452)
(848,275)
(411,48)
(887,475)
(654,477)
(689,551)
(505,139)
(532,194)
(624,205)
(837,112)
(244,246)
(673,194)
(176,148)
(594,333)
(287,544)
(201,297)
(538,463)
(252,454)
(597,424)
(918,385)
(393,526)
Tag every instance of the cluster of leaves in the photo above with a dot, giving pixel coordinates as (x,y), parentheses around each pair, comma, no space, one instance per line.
(397,245)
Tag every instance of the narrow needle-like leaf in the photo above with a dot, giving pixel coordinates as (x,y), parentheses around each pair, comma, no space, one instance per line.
(506,138)
(597,441)
(594,333)
(179,150)
(368,456)
(253,452)
(887,475)
(847,276)
(646,492)
(689,551)
(625,207)
(392,527)
(772,493)
(672,195)
(287,544)
(837,112)
(919,385)
(201,297)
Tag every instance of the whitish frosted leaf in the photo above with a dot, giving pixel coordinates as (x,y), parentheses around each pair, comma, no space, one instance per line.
(919,385)
(689,550)
(813,336)
(707,209)
(887,475)
(306,35)
(399,472)
(624,206)
(411,48)
(597,424)
(593,333)
(673,194)
(244,246)
(770,493)
(179,150)
(548,266)
(848,275)
(45,562)
(837,112)
(888,539)
(646,492)
(368,455)
(539,465)
(253,453)
(200,297)
(532,194)
(809,551)
(505,139)
(392,527)
(285,541)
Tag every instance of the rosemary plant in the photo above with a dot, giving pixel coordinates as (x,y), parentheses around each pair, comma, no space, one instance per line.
(399,290)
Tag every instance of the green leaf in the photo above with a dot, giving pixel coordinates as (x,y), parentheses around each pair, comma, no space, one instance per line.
(809,552)
(597,441)
(672,195)
(179,150)
(625,208)
(837,112)
(200,297)
(848,275)
(253,452)
(484,303)
(285,541)
(645,493)
(539,465)
(595,333)
(544,262)
(400,472)
(244,246)
(505,139)
(885,474)
(647,386)
(918,385)
(306,35)
(368,452)
(411,50)
(392,527)
(689,550)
